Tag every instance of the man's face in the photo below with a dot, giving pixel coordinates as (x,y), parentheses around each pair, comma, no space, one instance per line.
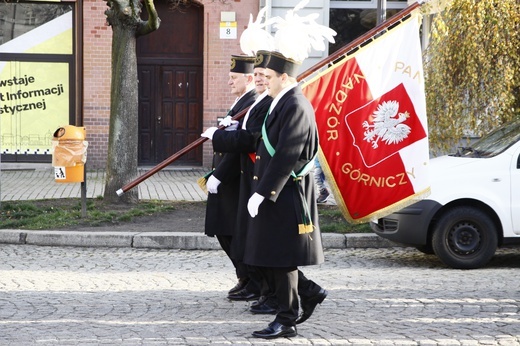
(238,83)
(259,78)
(274,82)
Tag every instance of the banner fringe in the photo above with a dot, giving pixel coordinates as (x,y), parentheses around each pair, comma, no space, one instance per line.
(370,217)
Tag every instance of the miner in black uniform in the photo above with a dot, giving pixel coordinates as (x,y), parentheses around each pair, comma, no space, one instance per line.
(223,184)
(244,141)
(283,231)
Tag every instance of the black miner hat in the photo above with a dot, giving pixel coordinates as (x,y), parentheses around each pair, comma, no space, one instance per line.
(281,64)
(242,64)
(262,58)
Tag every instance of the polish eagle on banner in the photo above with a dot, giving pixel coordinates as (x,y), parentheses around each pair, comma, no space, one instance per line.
(371,115)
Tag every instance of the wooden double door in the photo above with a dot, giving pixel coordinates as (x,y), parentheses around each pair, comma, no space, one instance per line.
(170,76)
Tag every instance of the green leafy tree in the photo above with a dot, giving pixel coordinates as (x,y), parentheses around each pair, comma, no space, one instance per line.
(472,69)
(124,16)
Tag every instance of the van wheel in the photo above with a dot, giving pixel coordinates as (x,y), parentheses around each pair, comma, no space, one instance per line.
(465,238)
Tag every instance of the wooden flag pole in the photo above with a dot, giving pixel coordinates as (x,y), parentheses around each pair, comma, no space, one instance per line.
(172,158)
(339,54)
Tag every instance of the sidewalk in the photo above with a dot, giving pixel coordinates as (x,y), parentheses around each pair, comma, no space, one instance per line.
(20,181)
(36,181)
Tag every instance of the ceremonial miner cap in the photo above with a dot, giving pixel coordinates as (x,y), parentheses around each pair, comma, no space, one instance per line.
(256,36)
(279,63)
(262,58)
(242,64)
(295,38)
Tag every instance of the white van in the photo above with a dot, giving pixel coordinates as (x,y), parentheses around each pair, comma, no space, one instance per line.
(474,206)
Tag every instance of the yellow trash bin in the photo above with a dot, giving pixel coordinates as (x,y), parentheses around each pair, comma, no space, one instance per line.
(69,154)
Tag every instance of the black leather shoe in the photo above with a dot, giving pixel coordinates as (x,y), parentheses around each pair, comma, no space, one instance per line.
(308,305)
(276,330)
(241,284)
(244,294)
(264,309)
(260,301)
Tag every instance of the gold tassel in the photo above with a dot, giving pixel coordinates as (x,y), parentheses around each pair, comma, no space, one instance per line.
(202,184)
(303,229)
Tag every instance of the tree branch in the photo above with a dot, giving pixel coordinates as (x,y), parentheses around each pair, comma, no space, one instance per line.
(153,21)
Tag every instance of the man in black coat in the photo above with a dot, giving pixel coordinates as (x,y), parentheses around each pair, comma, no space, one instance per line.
(283,231)
(223,184)
(244,141)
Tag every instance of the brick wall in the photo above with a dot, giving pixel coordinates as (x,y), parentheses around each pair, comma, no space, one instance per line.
(97,42)
(217,53)
(97,59)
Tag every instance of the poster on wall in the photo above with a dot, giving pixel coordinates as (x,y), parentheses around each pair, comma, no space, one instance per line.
(35,95)
(34,102)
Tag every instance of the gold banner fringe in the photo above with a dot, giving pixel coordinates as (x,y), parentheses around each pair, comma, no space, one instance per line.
(375,215)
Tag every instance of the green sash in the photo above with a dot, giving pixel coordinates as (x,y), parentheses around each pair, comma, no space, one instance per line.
(304,220)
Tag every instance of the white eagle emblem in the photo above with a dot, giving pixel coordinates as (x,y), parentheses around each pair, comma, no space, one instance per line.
(386,125)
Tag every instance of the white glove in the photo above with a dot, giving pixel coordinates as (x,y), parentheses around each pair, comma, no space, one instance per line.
(233,126)
(253,204)
(226,121)
(212,184)
(209,132)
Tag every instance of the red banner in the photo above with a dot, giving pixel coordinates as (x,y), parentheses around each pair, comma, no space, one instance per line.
(371,117)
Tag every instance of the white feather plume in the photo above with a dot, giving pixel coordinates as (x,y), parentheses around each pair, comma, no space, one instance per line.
(296,36)
(255,37)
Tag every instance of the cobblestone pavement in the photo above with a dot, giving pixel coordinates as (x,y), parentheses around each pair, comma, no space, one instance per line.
(125,296)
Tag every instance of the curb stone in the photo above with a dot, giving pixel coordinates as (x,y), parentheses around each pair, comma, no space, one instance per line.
(166,240)
(168,184)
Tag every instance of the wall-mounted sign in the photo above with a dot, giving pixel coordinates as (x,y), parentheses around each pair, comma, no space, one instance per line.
(34,100)
(228,30)
(228,25)
(34,95)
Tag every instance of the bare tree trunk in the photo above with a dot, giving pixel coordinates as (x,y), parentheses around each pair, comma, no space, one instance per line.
(124,17)
(122,153)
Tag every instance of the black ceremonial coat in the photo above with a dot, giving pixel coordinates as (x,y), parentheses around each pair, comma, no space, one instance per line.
(273,239)
(221,208)
(245,143)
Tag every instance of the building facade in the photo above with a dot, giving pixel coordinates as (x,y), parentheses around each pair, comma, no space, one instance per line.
(55,69)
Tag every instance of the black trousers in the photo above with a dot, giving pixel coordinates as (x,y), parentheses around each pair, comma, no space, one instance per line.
(240,268)
(285,285)
(306,288)
(256,281)
(283,282)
